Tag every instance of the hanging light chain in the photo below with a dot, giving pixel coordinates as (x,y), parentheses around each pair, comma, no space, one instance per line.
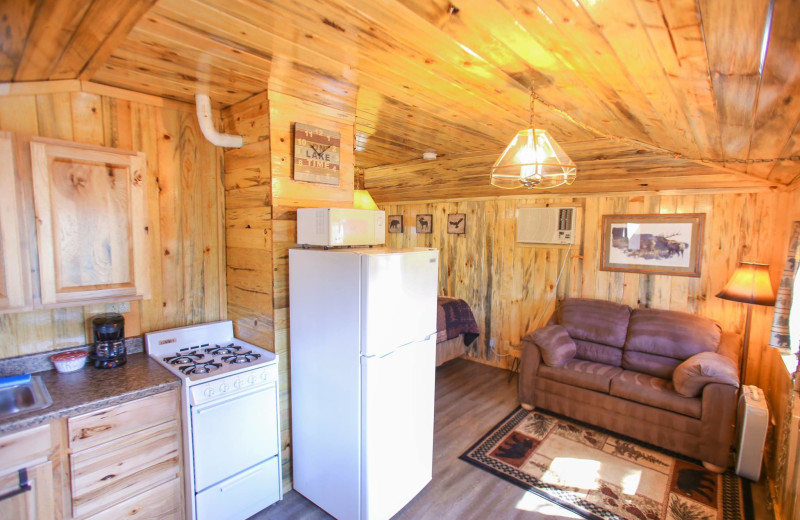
(533,98)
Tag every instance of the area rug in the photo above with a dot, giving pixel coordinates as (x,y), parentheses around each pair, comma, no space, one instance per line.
(600,475)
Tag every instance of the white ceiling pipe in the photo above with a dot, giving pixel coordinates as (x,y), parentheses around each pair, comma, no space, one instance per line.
(207,125)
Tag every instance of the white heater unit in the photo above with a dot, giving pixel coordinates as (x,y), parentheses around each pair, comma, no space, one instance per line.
(546,225)
(751,423)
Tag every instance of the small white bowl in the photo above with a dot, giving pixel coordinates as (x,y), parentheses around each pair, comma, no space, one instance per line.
(69,361)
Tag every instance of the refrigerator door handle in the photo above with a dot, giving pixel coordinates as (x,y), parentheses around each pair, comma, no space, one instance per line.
(426,338)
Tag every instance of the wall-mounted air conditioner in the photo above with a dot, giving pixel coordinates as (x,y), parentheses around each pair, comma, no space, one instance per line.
(547,225)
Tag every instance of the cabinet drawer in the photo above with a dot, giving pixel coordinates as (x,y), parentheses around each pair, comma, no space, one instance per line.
(20,448)
(162,502)
(110,473)
(94,428)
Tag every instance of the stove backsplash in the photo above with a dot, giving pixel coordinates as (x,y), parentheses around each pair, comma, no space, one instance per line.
(40,361)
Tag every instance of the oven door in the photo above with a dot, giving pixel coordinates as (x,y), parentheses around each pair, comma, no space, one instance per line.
(233,434)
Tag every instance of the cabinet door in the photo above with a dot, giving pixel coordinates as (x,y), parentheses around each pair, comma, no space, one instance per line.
(37,503)
(90,221)
(13,272)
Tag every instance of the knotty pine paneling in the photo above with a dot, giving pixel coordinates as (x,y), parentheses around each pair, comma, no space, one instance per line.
(261,200)
(184,205)
(508,284)
(776,382)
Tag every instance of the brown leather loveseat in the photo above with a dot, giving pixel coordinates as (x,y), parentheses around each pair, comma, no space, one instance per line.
(664,377)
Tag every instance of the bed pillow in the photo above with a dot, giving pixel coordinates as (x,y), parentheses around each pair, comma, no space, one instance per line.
(701,369)
(555,344)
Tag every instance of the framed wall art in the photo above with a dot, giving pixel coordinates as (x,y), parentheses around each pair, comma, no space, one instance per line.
(425,223)
(395,224)
(316,154)
(653,244)
(457,223)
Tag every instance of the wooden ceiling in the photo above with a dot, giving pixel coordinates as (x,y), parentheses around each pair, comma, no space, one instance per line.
(705,91)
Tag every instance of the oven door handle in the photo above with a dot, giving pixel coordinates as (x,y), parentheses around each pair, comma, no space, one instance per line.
(200,409)
(241,476)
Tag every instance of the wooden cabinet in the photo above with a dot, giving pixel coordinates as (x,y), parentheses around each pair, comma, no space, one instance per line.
(90,221)
(26,475)
(126,460)
(14,291)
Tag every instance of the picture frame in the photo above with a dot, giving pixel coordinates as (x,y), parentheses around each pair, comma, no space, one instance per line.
(425,223)
(395,224)
(457,223)
(653,243)
(316,154)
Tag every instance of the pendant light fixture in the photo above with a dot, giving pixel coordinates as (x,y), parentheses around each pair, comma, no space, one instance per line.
(533,159)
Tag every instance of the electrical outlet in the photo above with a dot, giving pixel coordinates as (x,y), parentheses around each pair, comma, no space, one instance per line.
(492,342)
(119,308)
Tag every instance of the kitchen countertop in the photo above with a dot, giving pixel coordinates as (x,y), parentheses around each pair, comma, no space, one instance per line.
(90,389)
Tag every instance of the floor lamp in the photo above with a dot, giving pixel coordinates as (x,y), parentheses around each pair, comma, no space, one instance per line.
(749,284)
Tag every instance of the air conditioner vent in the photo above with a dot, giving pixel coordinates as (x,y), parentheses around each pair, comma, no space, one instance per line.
(546,225)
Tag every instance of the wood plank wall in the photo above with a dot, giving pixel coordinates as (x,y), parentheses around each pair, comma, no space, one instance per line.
(776,382)
(184,201)
(261,214)
(507,284)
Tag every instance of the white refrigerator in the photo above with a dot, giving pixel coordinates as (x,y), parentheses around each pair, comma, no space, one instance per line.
(362,352)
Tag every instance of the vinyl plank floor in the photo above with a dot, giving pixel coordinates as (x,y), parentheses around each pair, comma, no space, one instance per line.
(470,399)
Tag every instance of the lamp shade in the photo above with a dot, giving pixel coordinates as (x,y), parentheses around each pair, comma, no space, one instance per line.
(363,200)
(750,283)
(533,159)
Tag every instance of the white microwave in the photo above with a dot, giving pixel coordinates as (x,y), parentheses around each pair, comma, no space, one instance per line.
(330,227)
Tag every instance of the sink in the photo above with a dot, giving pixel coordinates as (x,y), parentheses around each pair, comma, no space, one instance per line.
(22,394)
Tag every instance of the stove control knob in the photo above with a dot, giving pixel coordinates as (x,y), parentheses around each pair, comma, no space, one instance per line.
(224,387)
(251,379)
(209,392)
(237,384)
(264,375)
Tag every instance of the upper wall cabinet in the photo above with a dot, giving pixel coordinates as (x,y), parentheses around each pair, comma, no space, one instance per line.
(14,274)
(91,223)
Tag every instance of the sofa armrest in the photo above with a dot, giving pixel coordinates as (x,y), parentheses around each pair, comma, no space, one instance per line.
(718,415)
(530,359)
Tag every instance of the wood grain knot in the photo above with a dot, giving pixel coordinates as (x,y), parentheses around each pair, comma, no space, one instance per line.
(107,477)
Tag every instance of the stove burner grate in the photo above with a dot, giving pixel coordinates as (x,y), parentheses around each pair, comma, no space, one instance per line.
(220,350)
(241,357)
(199,367)
(183,359)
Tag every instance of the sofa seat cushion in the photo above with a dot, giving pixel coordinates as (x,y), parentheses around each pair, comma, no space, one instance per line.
(597,321)
(654,391)
(585,374)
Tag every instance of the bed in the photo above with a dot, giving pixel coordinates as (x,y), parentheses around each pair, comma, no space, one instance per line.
(456,328)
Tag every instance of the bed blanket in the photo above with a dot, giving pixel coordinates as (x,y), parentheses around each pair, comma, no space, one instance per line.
(454,317)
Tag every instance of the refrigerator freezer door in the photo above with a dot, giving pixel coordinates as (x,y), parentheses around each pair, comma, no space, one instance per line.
(398,299)
(397,428)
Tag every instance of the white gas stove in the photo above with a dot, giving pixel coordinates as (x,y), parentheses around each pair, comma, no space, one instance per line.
(230,397)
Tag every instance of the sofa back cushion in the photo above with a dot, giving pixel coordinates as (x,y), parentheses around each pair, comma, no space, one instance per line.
(596,321)
(659,340)
(598,353)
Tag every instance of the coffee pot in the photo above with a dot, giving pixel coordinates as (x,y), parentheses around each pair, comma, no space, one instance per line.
(108,349)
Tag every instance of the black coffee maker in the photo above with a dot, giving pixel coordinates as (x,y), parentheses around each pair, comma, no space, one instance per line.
(108,350)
